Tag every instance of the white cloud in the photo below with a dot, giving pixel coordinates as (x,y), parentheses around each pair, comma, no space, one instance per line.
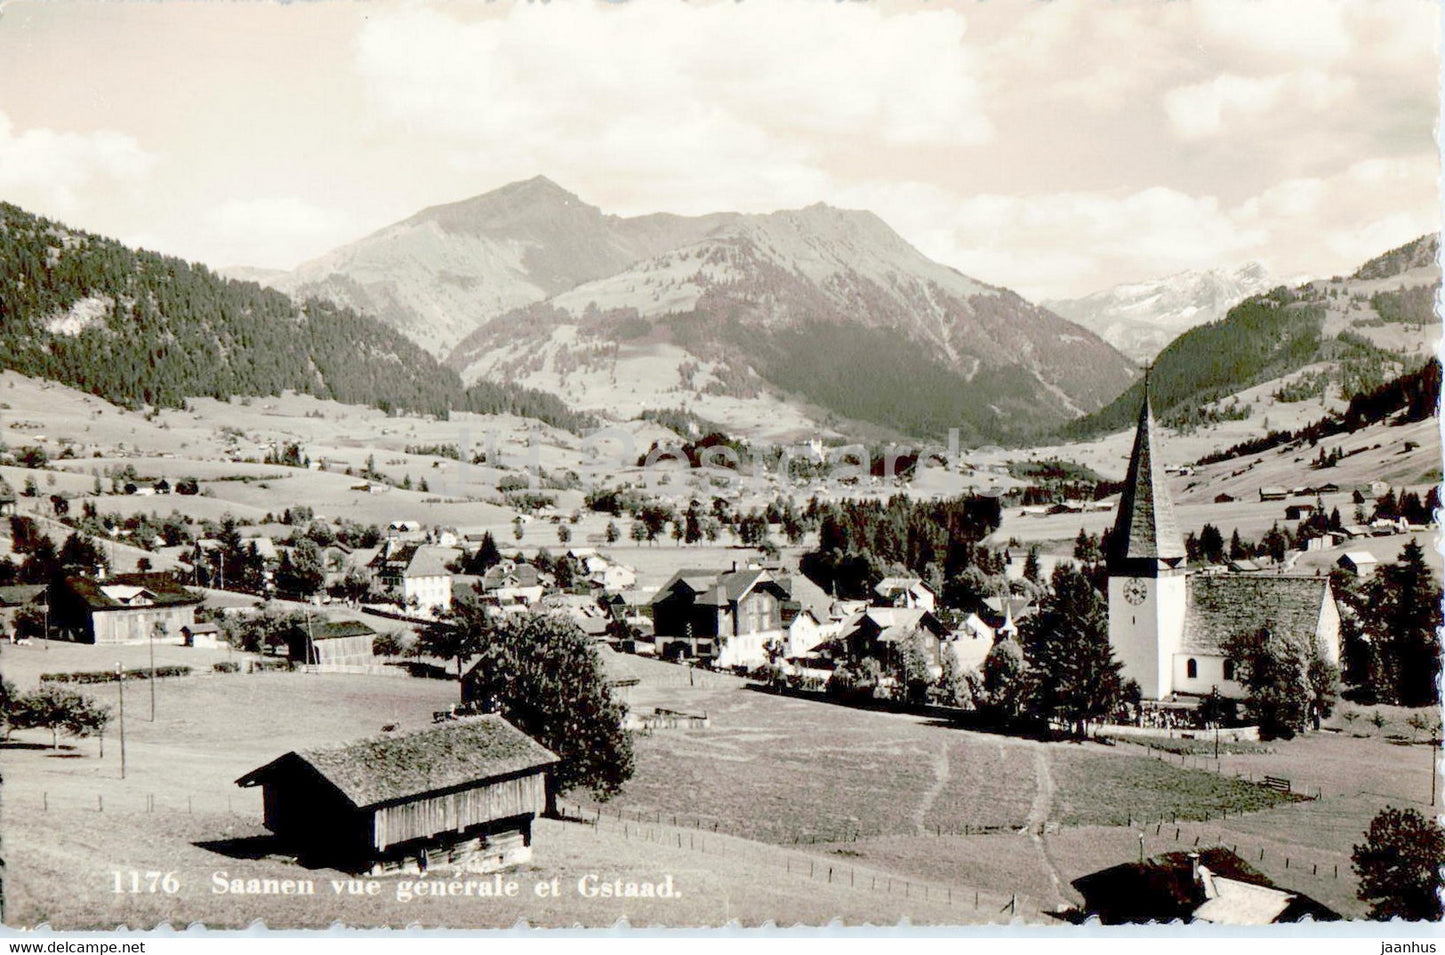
(1224,102)
(50,170)
(270,231)
(1065,244)
(1309,31)
(757,92)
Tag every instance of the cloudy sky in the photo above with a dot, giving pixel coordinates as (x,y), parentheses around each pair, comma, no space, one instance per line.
(1056,148)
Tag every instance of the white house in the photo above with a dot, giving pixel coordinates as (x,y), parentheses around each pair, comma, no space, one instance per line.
(905,592)
(416,574)
(1361,563)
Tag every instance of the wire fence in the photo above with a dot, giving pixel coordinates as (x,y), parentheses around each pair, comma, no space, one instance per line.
(137,803)
(986,905)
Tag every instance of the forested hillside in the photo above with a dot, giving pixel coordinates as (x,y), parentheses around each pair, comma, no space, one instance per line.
(1260,338)
(1360,332)
(1412,255)
(138,328)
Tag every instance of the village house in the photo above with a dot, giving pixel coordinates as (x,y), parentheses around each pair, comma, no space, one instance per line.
(1298,512)
(726,617)
(883,633)
(125,608)
(1273,492)
(585,612)
(458,797)
(7,499)
(16,598)
(905,592)
(1212,886)
(971,643)
(416,575)
(1361,563)
(1171,628)
(802,631)
(513,584)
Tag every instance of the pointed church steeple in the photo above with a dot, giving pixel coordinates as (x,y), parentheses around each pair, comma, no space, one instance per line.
(1146,532)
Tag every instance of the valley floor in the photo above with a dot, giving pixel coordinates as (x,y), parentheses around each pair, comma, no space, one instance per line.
(782,809)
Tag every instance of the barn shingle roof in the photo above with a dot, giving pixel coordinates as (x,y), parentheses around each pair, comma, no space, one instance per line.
(1231,605)
(389,769)
(337,629)
(162,588)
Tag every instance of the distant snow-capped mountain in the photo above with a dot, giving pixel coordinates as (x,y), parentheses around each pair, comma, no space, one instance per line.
(1140,318)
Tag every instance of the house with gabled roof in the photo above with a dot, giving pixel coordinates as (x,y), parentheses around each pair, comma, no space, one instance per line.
(1361,563)
(415,574)
(1212,885)
(726,617)
(458,797)
(905,592)
(124,608)
(883,633)
(513,584)
(1170,627)
(7,499)
(16,598)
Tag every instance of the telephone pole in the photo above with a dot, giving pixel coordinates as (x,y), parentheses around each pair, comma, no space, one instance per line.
(120,681)
(162,628)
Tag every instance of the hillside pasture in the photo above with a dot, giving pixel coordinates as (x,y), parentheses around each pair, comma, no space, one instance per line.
(787,770)
(71,821)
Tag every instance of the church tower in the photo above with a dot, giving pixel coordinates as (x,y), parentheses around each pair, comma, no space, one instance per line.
(1147,576)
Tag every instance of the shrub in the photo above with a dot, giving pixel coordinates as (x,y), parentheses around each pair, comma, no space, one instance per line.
(109,676)
(226,666)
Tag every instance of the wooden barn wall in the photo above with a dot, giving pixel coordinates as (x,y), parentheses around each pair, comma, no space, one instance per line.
(454,811)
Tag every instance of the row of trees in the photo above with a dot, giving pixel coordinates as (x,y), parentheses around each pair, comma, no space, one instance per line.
(1390,624)
(1061,670)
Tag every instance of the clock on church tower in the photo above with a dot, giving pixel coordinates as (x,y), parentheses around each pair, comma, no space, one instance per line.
(1148,593)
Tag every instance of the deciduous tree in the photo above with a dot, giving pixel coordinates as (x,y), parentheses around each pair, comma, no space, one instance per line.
(546,677)
(1398,866)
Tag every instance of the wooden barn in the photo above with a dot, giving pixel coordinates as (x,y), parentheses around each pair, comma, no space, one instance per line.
(461,796)
(122,608)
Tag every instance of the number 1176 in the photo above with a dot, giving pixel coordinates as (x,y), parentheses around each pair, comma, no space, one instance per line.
(142,883)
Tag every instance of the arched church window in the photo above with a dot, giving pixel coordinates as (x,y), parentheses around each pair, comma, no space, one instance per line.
(1191,669)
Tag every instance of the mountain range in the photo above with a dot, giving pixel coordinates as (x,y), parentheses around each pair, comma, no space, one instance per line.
(791,322)
(1140,318)
(528,283)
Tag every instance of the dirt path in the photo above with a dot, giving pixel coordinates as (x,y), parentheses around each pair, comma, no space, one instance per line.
(1038,821)
(941,774)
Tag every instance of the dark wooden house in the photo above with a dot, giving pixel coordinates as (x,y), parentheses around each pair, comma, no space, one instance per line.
(332,643)
(722,616)
(1211,885)
(461,796)
(123,608)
